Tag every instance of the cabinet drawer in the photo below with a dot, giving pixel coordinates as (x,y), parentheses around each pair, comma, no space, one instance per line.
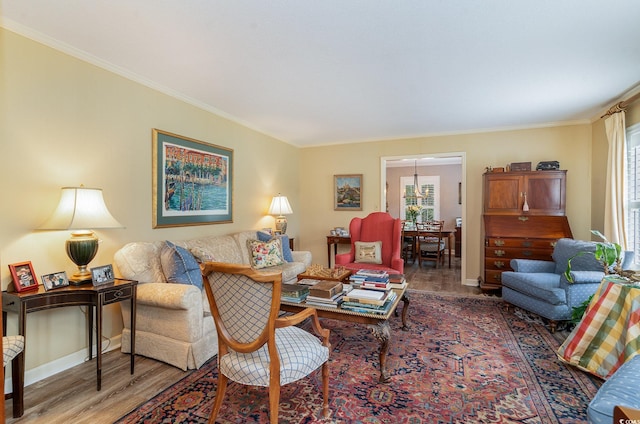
(493,277)
(118,295)
(516,252)
(497,264)
(521,242)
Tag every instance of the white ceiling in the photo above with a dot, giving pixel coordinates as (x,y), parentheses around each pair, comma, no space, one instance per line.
(313,72)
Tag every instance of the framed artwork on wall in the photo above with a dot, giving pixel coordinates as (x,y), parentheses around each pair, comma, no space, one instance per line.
(24,278)
(347,192)
(192,181)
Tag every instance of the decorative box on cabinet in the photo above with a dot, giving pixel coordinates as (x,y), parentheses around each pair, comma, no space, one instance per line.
(523,237)
(544,191)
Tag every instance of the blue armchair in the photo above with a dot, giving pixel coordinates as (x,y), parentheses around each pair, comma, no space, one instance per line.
(541,287)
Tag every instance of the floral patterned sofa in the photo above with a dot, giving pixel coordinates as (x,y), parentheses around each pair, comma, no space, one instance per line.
(173,321)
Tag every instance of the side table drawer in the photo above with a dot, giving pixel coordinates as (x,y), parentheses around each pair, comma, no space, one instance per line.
(118,295)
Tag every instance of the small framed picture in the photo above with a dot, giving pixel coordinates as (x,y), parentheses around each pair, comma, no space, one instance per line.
(102,275)
(24,278)
(55,280)
(347,192)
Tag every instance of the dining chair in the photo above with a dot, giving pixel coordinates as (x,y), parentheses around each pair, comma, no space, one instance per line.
(13,351)
(408,243)
(256,347)
(431,242)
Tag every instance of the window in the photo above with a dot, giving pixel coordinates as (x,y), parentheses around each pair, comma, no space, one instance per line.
(430,204)
(633,191)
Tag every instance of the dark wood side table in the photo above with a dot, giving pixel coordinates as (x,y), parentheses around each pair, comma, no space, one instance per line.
(335,241)
(95,297)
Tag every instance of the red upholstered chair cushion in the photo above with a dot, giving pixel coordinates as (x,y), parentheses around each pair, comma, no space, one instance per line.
(377,226)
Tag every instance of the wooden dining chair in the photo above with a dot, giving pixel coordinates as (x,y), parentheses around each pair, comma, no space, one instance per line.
(408,243)
(431,242)
(256,347)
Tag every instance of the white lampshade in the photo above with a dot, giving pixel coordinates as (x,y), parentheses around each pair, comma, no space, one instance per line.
(81,208)
(280,206)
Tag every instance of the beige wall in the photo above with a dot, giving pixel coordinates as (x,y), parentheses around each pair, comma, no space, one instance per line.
(570,145)
(65,122)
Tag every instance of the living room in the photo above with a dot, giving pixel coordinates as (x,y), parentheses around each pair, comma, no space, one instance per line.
(67,121)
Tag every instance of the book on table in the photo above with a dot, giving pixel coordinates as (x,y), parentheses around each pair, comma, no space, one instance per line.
(326,289)
(332,302)
(294,292)
(380,273)
(376,286)
(367,309)
(363,297)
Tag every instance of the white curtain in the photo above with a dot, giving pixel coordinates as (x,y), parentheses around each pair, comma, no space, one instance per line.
(615,196)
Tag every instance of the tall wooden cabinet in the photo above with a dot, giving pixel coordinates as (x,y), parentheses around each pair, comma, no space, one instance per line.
(524,215)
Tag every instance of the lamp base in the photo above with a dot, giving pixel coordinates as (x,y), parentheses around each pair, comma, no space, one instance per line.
(81,249)
(78,281)
(281,224)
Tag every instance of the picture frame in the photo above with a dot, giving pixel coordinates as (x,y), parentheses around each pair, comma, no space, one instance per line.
(347,192)
(55,280)
(102,275)
(24,278)
(192,181)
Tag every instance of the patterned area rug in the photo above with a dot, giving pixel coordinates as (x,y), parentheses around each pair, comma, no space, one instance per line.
(464,360)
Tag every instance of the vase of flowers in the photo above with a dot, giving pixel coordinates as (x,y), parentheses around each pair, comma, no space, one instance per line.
(412,212)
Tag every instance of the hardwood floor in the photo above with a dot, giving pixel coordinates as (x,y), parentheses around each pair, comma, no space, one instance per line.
(71,396)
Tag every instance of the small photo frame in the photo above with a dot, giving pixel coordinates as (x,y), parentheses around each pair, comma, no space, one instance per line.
(102,275)
(347,192)
(24,279)
(55,280)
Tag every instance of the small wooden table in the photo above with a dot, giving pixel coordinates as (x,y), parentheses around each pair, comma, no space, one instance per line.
(379,324)
(448,233)
(95,297)
(335,241)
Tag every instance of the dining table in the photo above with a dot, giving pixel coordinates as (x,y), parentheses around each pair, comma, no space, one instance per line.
(448,233)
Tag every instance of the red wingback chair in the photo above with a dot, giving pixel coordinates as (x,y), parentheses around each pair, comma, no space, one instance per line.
(377,226)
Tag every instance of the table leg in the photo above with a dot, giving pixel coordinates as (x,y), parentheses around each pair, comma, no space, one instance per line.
(99,341)
(133,328)
(90,320)
(329,254)
(449,243)
(382,332)
(405,308)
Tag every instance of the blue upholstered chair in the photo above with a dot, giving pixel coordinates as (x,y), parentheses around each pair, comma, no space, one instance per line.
(256,347)
(621,389)
(541,287)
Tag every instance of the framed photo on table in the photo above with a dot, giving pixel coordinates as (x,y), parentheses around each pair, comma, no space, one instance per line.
(347,192)
(102,275)
(192,181)
(24,279)
(55,280)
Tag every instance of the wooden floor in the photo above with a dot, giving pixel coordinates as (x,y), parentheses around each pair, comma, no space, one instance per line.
(71,396)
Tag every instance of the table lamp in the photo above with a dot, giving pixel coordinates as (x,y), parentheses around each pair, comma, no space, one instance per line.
(280,206)
(81,209)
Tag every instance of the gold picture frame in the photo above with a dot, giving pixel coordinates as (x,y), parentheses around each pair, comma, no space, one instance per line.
(347,192)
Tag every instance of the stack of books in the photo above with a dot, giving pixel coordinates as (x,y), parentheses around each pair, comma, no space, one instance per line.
(397,281)
(295,293)
(371,279)
(325,293)
(369,301)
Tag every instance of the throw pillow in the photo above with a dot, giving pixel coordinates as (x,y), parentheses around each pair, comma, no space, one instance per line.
(179,266)
(265,254)
(368,252)
(284,243)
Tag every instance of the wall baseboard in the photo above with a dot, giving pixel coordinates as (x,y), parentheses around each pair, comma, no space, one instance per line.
(62,364)
(471,282)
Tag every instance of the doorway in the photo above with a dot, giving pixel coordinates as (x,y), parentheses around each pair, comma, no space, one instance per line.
(447,168)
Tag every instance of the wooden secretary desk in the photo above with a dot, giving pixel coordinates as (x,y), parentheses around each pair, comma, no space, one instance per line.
(524,215)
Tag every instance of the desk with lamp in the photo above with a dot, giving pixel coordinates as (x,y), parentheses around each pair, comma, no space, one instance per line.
(80,209)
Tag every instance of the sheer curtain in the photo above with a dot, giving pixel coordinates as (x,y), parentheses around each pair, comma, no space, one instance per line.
(615,196)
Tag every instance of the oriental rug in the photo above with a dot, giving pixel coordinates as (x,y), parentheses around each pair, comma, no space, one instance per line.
(464,360)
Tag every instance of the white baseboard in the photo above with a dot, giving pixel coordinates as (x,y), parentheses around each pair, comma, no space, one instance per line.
(61,364)
(471,282)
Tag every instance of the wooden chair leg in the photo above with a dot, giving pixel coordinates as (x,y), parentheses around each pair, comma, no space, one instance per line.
(220,390)
(325,390)
(274,402)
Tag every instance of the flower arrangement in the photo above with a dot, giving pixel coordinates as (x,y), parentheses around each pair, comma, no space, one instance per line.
(412,212)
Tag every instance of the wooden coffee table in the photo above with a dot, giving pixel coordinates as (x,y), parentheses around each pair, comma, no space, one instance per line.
(379,324)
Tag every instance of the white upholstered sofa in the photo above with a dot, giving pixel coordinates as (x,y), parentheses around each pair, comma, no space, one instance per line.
(173,321)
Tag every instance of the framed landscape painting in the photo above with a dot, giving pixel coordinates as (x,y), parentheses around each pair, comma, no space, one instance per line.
(347,192)
(192,181)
